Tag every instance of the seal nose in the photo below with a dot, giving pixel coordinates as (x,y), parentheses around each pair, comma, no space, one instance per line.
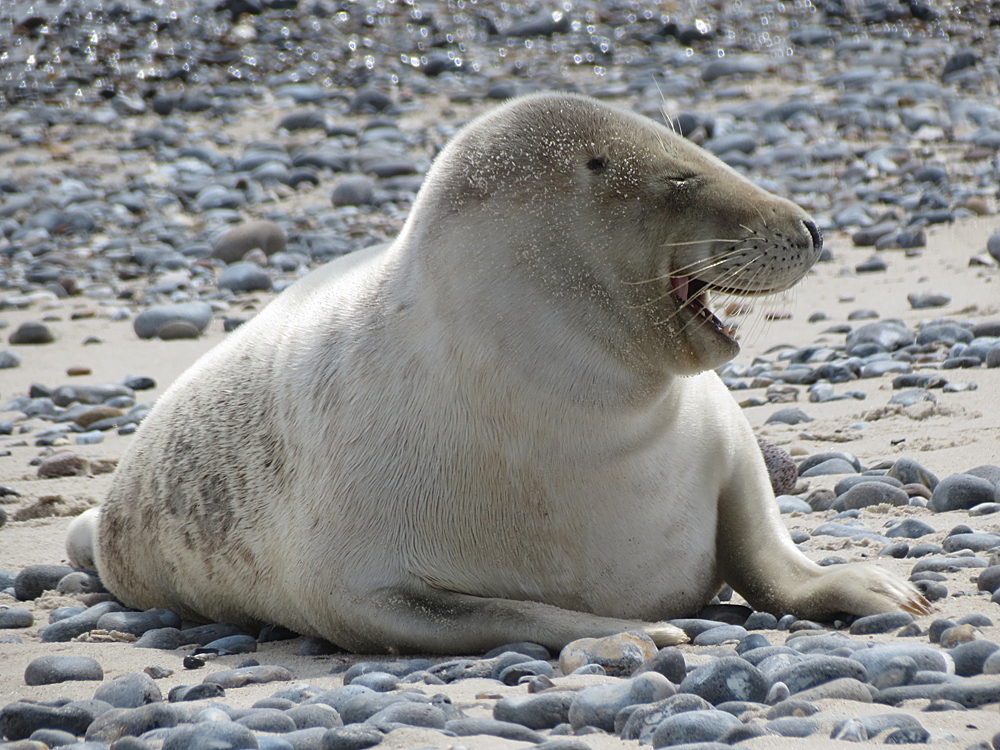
(816,235)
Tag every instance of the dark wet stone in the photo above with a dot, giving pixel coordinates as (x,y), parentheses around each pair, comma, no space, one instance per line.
(237,242)
(926,658)
(50,669)
(542,711)
(899,670)
(230,644)
(817,670)
(532,650)
(181,693)
(53,737)
(873,264)
(267,720)
(644,720)
(761,621)
(360,706)
(847,483)
(210,735)
(791,416)
(355,737)
(960,492)
(881,623)
(867,494)
(411,714)
(908,471)
(232,678)
(380,682)
(19,720)
(910,528)
(33,580)
(733,65)
(31,332)
(138,623)
(597,705)
(818,458)
(129,691)
(148,323)
(162,638)
(16,618)
(828,467)
(71,627)
(969,657)
(974,542)
(693,726)
(396,667)
(969,692)
(943,333)
(792,726)
(945,564)
(354,190)
(889,335)
(668,661)
(314,715)
(492,727)
(245,277)
(727,679)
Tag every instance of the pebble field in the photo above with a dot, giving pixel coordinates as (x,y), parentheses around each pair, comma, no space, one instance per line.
(167,168)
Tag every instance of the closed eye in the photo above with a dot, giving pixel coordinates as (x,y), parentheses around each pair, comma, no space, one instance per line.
(598,164)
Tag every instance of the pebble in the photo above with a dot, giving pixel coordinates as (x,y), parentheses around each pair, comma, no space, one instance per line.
(148,323)
(693,726)
(232,678)
(970,657)
(473,726)
(962,491)
(867,494)
(597,705)
(619,654)
(235,243)
(51,669)
(15,617)
(129,691)
(31,332)
(244,277)
(726,679)
(354,737)
(19,720)
(34,580)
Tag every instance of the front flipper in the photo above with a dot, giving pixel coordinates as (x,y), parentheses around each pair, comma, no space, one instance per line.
(758,559)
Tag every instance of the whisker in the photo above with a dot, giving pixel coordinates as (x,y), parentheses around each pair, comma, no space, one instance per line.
(701,265)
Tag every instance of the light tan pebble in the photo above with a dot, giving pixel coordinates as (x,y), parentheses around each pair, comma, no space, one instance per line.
(618,654)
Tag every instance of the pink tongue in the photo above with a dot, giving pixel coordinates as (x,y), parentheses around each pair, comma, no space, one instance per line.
(680,286)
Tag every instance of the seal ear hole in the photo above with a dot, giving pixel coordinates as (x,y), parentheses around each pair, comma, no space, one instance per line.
(598,164)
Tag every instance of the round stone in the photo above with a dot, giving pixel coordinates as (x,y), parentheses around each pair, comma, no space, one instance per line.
(31,332)
(52,669)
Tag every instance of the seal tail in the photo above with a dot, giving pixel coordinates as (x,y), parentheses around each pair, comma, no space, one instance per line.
(81,540)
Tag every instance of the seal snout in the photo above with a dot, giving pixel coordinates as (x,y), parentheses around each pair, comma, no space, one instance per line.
(817,236)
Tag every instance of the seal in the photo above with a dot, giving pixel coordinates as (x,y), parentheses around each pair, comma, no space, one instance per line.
(502,427)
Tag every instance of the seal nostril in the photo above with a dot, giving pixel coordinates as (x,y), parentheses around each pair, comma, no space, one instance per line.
(814,232)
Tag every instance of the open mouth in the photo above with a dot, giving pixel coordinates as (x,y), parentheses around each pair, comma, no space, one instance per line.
(693,296)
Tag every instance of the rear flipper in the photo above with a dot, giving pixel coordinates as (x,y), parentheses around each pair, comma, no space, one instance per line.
(446,622)
(81,540)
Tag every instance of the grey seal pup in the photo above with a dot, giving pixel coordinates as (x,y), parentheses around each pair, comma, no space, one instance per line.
(504,426)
